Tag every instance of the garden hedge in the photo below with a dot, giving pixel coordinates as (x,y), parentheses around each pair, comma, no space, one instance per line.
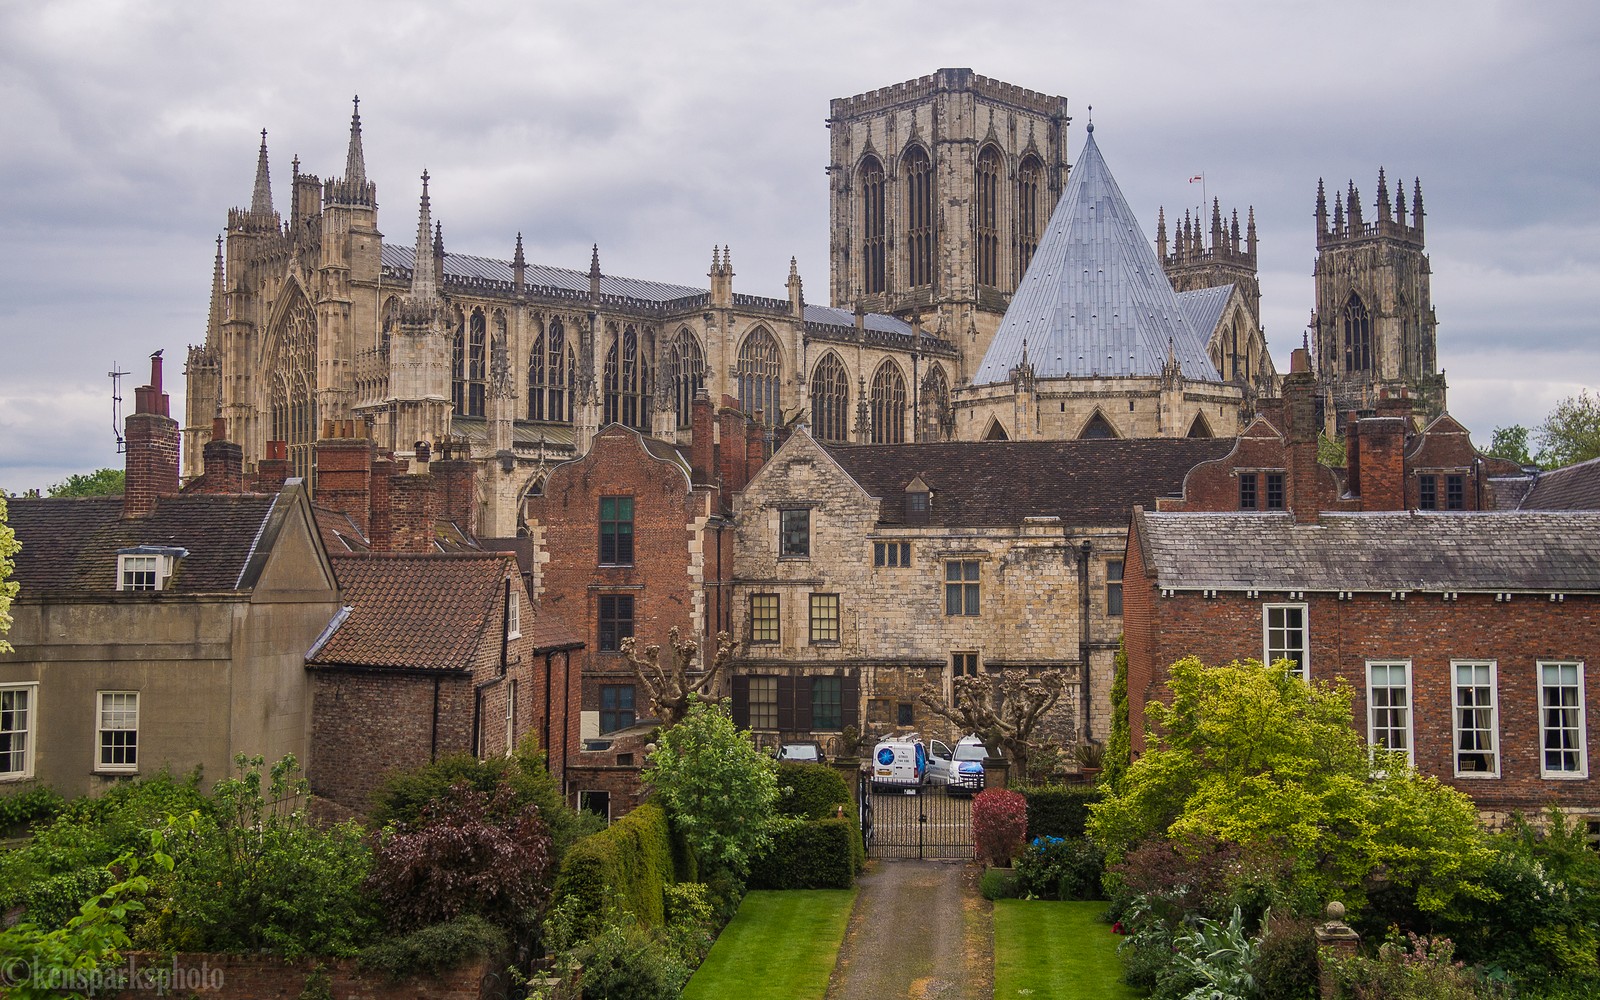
(818,790)
(1059,810)
(632,858)
(810,854)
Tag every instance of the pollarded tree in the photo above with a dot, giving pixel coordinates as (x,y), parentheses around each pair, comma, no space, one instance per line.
(718,788)
(1253,756)
(1006,714)
(673,683)
(9,546)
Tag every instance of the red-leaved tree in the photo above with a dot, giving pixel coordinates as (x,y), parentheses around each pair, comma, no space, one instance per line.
(471,853)
(999,824)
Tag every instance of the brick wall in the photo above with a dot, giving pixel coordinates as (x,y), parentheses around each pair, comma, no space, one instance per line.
(366,724)
(257,977)
(1424,629)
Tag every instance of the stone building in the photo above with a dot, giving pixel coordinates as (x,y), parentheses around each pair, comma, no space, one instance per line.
(863,573)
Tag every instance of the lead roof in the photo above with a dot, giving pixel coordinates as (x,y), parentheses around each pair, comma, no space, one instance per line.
(1095,301)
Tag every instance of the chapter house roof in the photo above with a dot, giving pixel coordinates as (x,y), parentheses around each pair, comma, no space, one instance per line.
(991,483)
(1095,301)
(1541,552)
(72,544)
(415,612)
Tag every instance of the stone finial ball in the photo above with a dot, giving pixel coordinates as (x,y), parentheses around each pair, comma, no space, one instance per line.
(1336,910)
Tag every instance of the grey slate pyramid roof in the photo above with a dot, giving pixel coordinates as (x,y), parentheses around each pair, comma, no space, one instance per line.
(1095,301)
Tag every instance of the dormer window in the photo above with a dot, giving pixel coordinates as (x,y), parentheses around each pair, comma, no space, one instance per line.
(147,567)
(919,499)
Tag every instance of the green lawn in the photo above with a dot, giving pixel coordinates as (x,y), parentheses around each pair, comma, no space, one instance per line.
(780,946)
(1059,950)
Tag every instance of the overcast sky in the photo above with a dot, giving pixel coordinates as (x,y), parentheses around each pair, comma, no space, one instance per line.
(659,129)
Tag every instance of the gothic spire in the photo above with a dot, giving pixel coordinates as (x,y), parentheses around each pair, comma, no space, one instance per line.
(261,200)
(1216,223)
(1416,204)
(519,265)
(423,280)
(355,163)
(218,292)
(1161,232)
(1322,209)
(1250,234)
(1383,197)
(517,259)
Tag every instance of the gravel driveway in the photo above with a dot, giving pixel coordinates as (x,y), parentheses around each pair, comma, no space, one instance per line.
(921,930)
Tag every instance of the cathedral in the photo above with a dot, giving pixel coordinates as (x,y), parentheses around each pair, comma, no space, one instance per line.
(981,287)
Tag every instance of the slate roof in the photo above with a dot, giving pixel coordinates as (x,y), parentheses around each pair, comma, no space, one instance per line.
(1203,307)
(72,544)
(1095,301)
(417,612)
(1544,552)
(1574,487)
(877,322)
(403,258)
(990,483)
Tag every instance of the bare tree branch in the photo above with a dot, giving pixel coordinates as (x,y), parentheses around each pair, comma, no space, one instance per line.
(1003,714)
(670,681)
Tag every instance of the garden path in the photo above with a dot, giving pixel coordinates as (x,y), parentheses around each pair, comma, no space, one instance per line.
(920,930)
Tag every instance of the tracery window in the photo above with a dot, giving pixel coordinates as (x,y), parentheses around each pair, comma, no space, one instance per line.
(888,405)
(477,363)
(391,321)
(830,400)
(936,401)
(549,365)
(988,242)
(1357,336)
(293,368)
(872,227)
(627,380)
(1028,178)
(919,216)
(760,372)
(686,374)
(458,365)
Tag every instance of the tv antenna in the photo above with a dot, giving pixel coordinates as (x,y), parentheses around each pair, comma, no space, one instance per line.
(115,375)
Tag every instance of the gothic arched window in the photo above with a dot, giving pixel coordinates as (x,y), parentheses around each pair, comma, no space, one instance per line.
(872,227)
(1199,428)
(686,367)
(888,405)
(627,380)
(1029,175)
(549,365)
(293,365)
(1357,336)
(458,365)
(830,400)
(1097,427)
(477,363)
(919,216)
(391,321)
(988,242)
(760,374)
(936,402)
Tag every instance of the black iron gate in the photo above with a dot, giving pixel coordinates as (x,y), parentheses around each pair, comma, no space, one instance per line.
(926,822)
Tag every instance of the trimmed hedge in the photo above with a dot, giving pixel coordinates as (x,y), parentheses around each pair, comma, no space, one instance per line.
(632,858)
(810,854)
(1059,810)
(817,791)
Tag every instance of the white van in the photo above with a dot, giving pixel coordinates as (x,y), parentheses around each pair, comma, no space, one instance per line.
(899,762)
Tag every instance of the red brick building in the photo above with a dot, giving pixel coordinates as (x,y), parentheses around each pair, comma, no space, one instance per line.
(1464,634)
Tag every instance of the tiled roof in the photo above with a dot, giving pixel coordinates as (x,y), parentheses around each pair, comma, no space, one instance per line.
(1575,487)
(1001,482)
(1095,301)
(525,434)
(418,612)
(339,533)
(72,544)
(1410,550)
(551,631)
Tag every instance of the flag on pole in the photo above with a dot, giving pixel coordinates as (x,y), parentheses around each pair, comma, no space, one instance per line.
(1197,178)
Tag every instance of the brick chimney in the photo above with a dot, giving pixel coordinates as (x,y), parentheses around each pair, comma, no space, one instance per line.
(1382,473)
(380,531)
(755,447)
(152,440)
(273,470)
(344,472)
(456,476)
(413,511)
(1300,413)
(731,447)
(222,461)
(701,437)
(1352,455)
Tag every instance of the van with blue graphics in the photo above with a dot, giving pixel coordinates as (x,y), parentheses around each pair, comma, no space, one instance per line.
(899,762)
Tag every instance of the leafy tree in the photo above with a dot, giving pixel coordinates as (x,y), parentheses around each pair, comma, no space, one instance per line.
(1330,450)
(99,483)
(671,685)
(9,547)
(1006,714)
(718,788)
(1256,757)
(1511,444)
(1571,432)
(1119,742)
(471,854)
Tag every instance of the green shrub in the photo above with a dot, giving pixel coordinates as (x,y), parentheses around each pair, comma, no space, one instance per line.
(630,860)
(1410,968)
(1059,810)
(1285,967)
(36,805)
(436,948)
(624,960)
(1056,868)
(809,854)
(811,791)
(999,883)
